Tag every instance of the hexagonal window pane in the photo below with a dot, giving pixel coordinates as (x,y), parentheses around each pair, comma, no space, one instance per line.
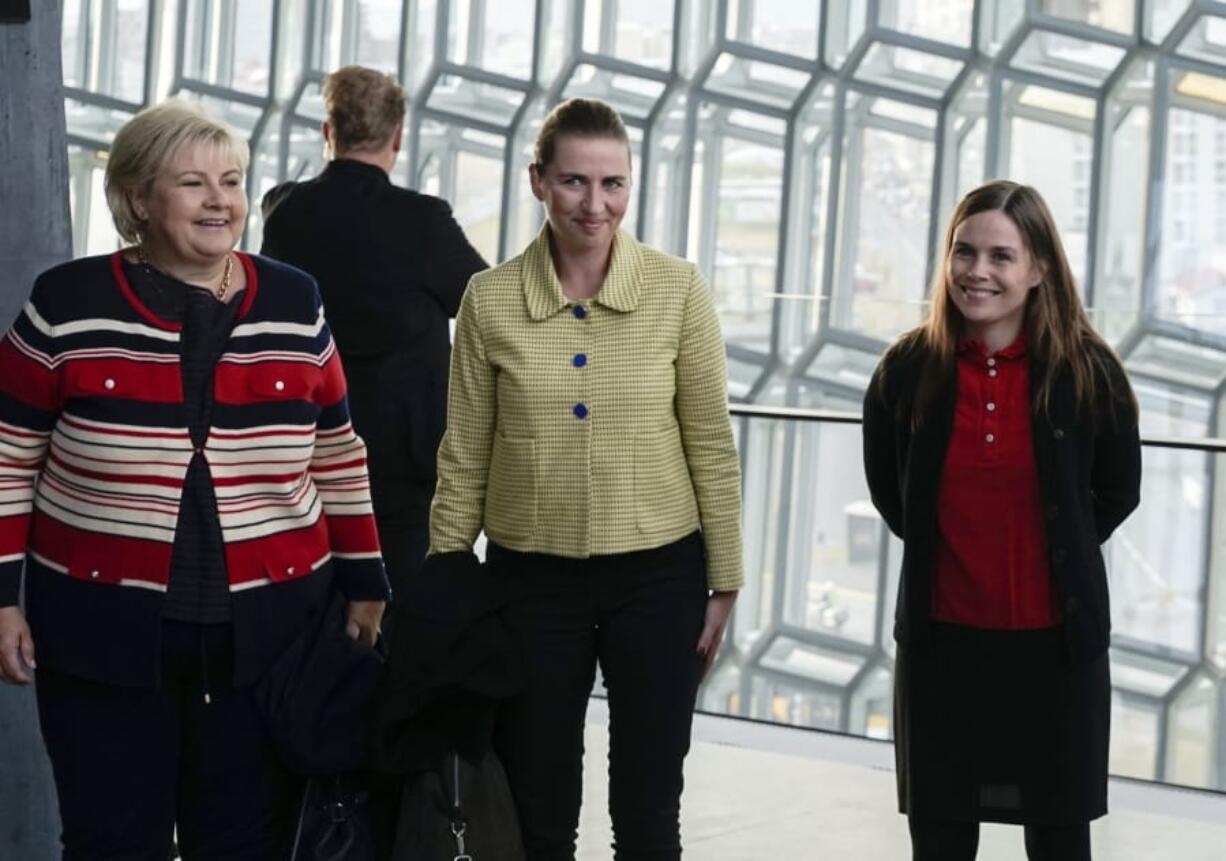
(1078,60)
(103,47)
(765,83)
(835,536)
(506,37)
(475,100)
(815,663)
(496,36)
(1179,362)
(634,97)
(1114,15)
(639,31)
(737,217)
(1052,149)
(1206,40)
(946,21)
(1162,16)
(997,21)
(1156,558)
(1191,743)
(1144,675)
(1191,287)
(791,702)
(478,191)
(93,231)
(911,71)
(310,104)
(966,140)
(1134,737)
(420,42)
(788,26)
(880,285)
(1124,196)
(872,705)
(230,48)
(844,366)
(845,23)
(366,32)
(93,122)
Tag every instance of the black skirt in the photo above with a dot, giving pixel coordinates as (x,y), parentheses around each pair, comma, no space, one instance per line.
(999,726)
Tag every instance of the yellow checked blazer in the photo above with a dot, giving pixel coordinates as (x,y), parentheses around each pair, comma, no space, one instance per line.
(586,428)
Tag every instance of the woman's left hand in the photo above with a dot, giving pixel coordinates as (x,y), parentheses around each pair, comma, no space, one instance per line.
(364,618)
(719,608)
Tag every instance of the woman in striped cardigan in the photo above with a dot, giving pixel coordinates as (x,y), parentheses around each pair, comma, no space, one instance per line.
(181,486)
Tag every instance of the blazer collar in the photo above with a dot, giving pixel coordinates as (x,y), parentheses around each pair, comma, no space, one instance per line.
(620,290)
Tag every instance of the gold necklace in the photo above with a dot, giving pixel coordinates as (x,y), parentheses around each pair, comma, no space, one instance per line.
(221,290)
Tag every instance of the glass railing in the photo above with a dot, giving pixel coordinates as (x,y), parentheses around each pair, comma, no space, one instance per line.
(811,644)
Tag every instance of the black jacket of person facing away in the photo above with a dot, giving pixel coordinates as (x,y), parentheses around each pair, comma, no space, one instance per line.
(392,265)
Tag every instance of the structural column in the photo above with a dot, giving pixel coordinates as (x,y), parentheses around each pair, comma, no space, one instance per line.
(35,233)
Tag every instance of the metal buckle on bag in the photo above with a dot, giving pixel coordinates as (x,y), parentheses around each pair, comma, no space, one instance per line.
(337,811)
(458,827)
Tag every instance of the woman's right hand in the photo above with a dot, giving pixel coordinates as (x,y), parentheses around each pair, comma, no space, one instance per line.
(16,647)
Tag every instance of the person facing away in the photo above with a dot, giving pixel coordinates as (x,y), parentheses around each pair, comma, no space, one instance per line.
(391,265)
(588,435)
(180,482)
(1001,445)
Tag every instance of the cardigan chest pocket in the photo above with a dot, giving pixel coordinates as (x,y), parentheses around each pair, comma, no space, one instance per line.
(88,380)
(510,498)
(663,492)
(278,384)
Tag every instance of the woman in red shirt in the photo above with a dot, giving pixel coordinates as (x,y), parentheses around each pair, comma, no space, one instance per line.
(1000,443)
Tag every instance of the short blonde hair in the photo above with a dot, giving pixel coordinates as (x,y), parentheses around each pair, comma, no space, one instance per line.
(144,145)
(365,108)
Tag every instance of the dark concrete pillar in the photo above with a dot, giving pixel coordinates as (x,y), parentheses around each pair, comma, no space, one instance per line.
(35,233)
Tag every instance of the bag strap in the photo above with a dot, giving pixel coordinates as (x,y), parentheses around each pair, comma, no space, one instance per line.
(459,822)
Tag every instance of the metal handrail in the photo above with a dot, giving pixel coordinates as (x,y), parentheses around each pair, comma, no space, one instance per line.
(754,411)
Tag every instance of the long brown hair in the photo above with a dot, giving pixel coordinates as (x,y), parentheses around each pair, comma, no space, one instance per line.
(1057,331)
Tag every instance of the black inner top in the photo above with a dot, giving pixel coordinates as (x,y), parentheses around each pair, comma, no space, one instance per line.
(199,590)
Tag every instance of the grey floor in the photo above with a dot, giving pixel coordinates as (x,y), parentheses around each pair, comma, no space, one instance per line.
(755,793)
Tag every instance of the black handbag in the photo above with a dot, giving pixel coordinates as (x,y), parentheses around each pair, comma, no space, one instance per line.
(333,821)
(316,696)
(460,811)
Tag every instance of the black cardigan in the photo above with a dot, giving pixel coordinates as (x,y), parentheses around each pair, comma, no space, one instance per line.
(1089,470)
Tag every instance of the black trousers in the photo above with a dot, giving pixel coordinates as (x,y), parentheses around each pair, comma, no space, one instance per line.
(959,841)
(402,515)
(638,615)
(131,764)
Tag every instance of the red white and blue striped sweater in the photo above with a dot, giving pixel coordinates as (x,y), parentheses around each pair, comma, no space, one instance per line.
(94,449)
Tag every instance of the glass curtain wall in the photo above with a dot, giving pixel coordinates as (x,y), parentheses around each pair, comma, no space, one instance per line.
(805,153)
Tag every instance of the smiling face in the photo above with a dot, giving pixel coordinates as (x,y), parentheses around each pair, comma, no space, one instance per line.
(989,274)
(585,189)
(195,209)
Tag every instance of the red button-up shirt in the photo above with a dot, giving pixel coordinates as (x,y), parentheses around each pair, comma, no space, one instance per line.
(991,568)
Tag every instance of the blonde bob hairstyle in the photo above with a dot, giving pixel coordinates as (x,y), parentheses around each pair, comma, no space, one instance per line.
(1057,331)
(364,107)
(148,142)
